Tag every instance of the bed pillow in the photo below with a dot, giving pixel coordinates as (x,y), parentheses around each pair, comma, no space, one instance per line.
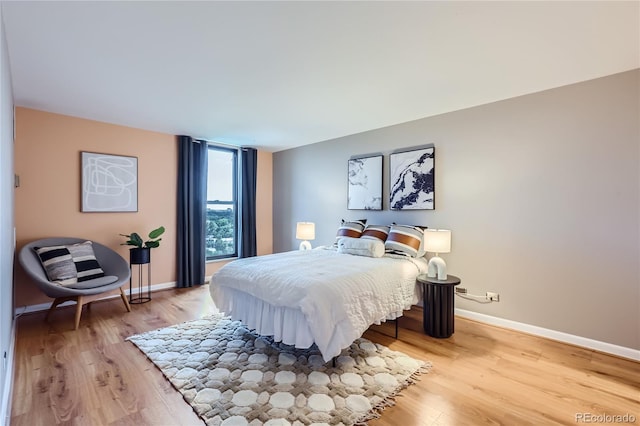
(351,229)
(58,264)
(404,239)
(361,247)
(376,232)
(421,250)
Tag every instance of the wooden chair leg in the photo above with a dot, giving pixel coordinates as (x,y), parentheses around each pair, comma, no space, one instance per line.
(56,302)
(81,301)
(124,299)
(78,311)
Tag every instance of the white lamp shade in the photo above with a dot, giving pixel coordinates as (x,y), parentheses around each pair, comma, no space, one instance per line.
(305,231)
(437,240)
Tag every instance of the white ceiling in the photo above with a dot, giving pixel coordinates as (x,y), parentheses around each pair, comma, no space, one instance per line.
(281,74)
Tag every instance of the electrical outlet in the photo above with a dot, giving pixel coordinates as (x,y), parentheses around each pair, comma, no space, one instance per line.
(494,297)
(461,290)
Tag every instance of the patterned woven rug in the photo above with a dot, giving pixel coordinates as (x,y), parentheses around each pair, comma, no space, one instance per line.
(231,376)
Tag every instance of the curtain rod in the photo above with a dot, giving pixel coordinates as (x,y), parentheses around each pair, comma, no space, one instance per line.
(224,144)
(197,140)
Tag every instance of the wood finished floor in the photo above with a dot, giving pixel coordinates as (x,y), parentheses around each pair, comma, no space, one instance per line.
(482,375)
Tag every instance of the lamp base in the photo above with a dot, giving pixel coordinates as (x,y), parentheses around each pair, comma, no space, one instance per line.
(437,267)
(305,245)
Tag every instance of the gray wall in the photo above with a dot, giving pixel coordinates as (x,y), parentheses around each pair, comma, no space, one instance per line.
(541,192)
(6,211)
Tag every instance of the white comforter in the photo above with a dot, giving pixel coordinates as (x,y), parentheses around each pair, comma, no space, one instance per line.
(339,295)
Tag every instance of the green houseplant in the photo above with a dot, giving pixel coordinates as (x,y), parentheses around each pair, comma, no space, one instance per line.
(141,251)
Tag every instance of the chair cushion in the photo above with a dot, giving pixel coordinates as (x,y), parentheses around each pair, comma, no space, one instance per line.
(93,283)
(70,264)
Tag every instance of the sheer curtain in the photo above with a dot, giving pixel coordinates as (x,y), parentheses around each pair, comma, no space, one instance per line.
(192,205)
(249,165)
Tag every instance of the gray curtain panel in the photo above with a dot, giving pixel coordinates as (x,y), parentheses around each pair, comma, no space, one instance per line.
(192,205)
(249,160)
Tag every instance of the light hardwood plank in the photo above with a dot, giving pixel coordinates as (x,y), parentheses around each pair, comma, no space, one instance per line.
(482,375)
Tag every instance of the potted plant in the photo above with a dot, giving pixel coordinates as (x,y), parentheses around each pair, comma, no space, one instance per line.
(141,252)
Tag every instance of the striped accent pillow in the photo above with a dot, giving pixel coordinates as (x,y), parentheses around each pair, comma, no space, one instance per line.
(376,232)
(58,264)
(404,239)
(85,260)
(351,229)
(70,264)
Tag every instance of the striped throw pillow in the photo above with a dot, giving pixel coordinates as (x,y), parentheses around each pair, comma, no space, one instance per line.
(70,264)
(376,232)
(351,229)
(404,239)
(85,260)
(58,264)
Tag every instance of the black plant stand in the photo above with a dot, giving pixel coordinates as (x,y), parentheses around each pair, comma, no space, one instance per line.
(140,257)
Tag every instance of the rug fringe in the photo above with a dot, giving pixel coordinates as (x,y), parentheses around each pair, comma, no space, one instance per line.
(390,400)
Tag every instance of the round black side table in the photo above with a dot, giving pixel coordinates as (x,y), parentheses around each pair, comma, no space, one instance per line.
(437,318)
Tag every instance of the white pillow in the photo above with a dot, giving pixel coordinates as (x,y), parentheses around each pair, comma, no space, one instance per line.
(361,247)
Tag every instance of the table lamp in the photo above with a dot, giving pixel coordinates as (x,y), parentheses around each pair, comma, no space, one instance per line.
(437,241)
(305,231)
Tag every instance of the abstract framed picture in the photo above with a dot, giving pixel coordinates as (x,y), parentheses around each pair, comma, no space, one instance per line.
(412,185)
(109,182)
(365,183)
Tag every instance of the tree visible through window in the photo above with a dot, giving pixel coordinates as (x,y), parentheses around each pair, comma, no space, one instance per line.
(222,203)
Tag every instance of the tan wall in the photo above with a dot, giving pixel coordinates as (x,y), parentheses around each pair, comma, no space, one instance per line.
(47,204)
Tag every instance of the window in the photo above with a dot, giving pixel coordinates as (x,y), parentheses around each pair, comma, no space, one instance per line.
(222,203)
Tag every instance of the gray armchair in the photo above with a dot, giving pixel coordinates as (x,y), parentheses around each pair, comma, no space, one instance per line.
(111,263)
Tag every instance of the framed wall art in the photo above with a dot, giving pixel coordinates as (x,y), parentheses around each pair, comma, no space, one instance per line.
(365,183)
(412,185)
(109,183)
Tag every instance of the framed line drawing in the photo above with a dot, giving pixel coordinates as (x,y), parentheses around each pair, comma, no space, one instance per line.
(412,185)
(109,182)
(364,191)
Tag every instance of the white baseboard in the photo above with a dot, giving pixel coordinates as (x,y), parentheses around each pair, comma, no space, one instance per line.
(609,348)
(5,408)
(44,306)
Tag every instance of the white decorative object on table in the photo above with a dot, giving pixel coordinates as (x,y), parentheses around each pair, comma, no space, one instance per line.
(305,231)
(437,241)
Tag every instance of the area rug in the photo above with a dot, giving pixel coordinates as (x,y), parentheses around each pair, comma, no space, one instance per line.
(232,376)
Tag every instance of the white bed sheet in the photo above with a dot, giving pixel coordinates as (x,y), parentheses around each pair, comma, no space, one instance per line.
(316,296)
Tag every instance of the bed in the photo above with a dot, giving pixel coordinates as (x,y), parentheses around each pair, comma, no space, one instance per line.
(320,296)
